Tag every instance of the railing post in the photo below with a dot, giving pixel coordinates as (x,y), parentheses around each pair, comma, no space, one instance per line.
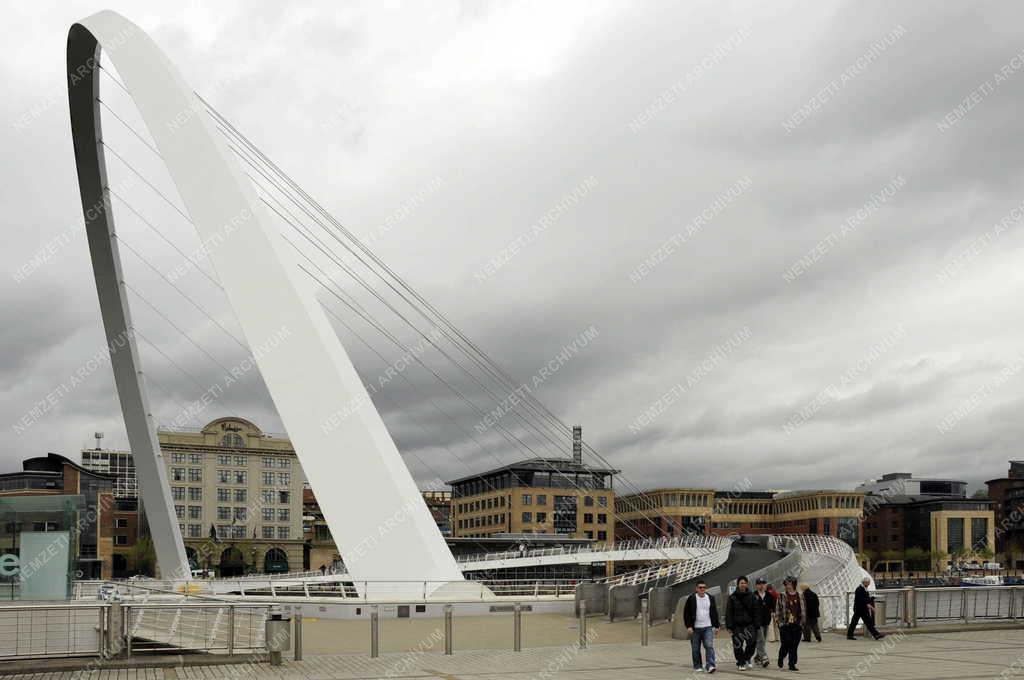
(375,632)
(231,629)
(297,617)
(911,607)
(102,644)
(449,630)
(583,624)
(963,604)
(517,630)
(644,611)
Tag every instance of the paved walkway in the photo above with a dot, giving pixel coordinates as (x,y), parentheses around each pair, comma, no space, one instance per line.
(974,655)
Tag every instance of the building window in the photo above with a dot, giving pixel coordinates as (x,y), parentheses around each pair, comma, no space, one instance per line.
(223,531)
(542,499)
(602,535)
(223,513)
(195,458)
(268,532)
(223,476)
(283,514)
(284,462)
(223,459)
(527,517)
(268,479)
(179,511)
(178,474)
(588,535)
(267,497)
(602,501)
(284,497)
(241,476)
(195,474)
(542,517)
(979,533)
(283,532)
(177,457)
(232,440)
(178,493)
(284,478)
(240,461)
(267,514)
(602,518)
(588,518)
(223,495)
(527,500)
(241,514)
(120,540)
(120,523)
(195,493)
(241,495)
(588,501)
(195,512)
(268,462)
(238,532)
(195,530)
(955,534)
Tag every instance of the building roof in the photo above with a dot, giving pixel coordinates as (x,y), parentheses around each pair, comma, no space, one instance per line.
(540,464)
(54,463)
(919,499)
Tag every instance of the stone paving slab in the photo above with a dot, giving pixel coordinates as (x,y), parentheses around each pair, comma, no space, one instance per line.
(970,655)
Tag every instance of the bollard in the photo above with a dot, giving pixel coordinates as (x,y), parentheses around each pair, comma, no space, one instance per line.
(517,631)
(375,632)
(583,624)
(298,636)
(643,622)
(231,630)
(448,630)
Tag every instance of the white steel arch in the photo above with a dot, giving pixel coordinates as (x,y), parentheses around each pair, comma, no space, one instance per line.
(370,501)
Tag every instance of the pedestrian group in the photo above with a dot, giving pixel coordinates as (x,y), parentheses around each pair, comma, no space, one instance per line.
(749,618)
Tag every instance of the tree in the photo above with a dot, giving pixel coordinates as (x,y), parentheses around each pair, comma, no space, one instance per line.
(986,553)
(937,557)
(142,556)
(914,556)
(980,494)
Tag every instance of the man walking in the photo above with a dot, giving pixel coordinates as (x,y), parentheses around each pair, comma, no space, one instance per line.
(790,614)
(739,620)
(764,609)
(700,616)
(863,608)
(811,614)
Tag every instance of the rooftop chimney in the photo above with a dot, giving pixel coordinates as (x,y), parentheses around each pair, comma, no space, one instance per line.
(577,444)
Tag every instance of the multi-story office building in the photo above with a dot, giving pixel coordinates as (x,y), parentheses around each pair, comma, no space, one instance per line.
(927,532)
(117,463)
(536,496)
(673,511)
(92,548)
(1007,496)
(237,492)
(440,505)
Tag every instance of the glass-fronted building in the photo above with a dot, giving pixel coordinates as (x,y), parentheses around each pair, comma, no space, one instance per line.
(38,539)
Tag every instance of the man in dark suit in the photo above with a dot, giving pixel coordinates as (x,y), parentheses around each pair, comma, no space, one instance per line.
(811,614)
(863,608)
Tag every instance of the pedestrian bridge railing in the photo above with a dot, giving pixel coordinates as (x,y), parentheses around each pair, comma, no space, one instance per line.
(107,629)
(911,607)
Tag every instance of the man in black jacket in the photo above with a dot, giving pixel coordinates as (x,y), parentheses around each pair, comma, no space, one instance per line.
(700,616)
(812,614)
(739,620)
(764,608)
(863,608)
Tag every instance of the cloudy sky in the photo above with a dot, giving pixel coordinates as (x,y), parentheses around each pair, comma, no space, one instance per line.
(784,237)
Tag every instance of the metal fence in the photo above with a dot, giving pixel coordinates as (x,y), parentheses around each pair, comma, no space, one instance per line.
(102,629)
(917,606)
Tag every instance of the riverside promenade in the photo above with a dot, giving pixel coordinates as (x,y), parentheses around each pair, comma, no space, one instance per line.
(966,655)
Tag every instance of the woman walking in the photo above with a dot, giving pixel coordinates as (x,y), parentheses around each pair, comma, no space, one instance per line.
(789,611)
